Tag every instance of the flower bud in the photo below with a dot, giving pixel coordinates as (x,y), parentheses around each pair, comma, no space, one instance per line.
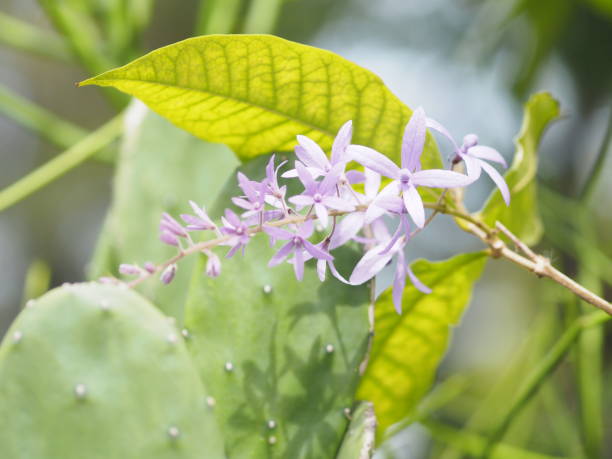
(149,267)
(470,140)
(168,274)
(213,265)
(168,238)
(129,270)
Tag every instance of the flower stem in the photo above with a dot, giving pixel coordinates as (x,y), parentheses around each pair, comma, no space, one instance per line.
(540,374)
(62,163)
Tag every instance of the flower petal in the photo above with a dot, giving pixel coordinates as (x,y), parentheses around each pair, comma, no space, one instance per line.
(316,251)
(414,141)
(399,282)
(438,178)
(322,214)
(433,124)
(342,140)
(414,206)
(348,227)
(310,153)
(298,264)
(499,181)
(374,160)
(488,153)
(301,200)
(472,166)
(372,183)
(321,268)
(283,253)
(354,176)
(416,282)
(278,233)
(370,264)
(334,202)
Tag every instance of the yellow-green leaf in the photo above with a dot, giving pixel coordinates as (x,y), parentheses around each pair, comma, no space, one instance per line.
(522,216)
(407,348)
(255,93)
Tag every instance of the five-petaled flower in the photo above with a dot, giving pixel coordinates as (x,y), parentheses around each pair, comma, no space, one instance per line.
(409,176)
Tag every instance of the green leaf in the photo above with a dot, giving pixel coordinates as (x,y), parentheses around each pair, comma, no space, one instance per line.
(255,93)
(407,348)
(277,344)
(160,169)
(358,442)
(522,217)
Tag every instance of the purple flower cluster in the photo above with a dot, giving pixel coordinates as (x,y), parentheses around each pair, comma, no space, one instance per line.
(330,200)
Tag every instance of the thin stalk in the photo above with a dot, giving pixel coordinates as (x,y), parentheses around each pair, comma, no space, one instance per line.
(217,16)
(593,178)
(540,373)
(26,37)
(473,444)
(46,124)
(62,163)
(262,16)
(84,40)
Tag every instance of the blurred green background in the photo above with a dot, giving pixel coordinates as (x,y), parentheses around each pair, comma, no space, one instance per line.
(471,64)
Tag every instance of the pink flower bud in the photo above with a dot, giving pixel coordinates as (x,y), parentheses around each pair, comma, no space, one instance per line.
(129,270)
(168,274)
(213,265)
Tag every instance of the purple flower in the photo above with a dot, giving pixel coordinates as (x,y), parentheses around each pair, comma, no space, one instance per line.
(474,156)
(320,194)
(375,259)
(298,244)
(233,226)
(254,203)
(407,178)
(171,230)
(314,158)
(271,180)
(200,222)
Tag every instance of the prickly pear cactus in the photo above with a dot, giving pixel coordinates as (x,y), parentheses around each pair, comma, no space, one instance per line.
(281,357)
(95,371)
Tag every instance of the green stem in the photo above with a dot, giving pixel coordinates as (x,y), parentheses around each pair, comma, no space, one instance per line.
(25,37)
(82,35)
(473,444)
(539,375)
(262,16)
(61,164)
(591,182)
(43,122)
(218,16)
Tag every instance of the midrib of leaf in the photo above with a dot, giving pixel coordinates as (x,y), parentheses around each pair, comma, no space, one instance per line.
(274,111)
